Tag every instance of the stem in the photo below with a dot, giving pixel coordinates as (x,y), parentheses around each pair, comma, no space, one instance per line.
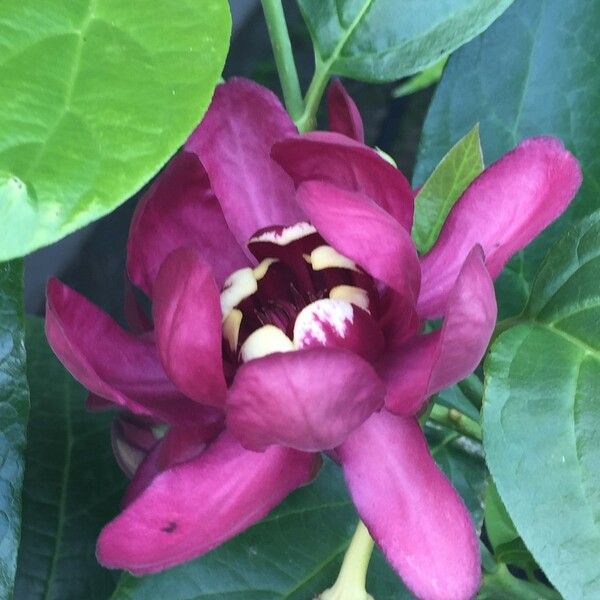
(472,388)
(453,419)
(315,91)
(350,584)
(503,584)
(284,58)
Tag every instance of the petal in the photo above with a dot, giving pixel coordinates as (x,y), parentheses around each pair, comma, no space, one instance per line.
(431,362)
(187,317)
(335,323)
(180,209)
(193,507)
(179,445)
(309,400)
(335,158)
(233,141)
(110,362)
(503,210)
(411,509)
(362,231)
(342,112)
(135,316)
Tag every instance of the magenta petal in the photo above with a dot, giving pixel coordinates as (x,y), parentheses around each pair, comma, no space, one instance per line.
(411,509)
(502,210)
(187,317)
(431,362)
(362,231)
(234,141)
(191,508)
(180,209)
(342,112)
(110,362)
(337,159)
(309,400)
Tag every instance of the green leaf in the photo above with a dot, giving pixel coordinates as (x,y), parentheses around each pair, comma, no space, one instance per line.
(421,80)
(541,415)
(502,585)
(296,552)
(498,525)
(14,410)
(383,40)
(533,72)
(458,168)
(95,96)
(72,485)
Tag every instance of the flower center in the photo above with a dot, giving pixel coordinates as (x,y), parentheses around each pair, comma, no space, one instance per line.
(299,281)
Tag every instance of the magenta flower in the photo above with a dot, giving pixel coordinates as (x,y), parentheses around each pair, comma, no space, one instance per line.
(287,304)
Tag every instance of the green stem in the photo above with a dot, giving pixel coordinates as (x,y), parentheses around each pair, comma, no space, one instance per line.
(472,388)
(502,584)
(350,584)
(453,419)
(284,58)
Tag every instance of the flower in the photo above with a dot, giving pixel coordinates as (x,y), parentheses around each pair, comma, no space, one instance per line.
(288,304)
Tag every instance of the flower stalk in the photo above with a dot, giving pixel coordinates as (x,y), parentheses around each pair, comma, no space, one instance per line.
(454,419)
(350,584)
(284,57)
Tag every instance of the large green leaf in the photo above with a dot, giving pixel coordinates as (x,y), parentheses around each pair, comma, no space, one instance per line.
(458,168)
(541,415)
(297,550)
(533,72)
(14,409)
(72,485)
(382,40)
(95,97)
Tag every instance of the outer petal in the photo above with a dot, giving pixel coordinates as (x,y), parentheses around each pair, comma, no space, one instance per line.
(309,399)
(233,142)
(343,114)
(434,361)
(109,361)
(503,210)
(362,231)
(195,506)
(180,209)
(411,509)
(335,158)
(187,316)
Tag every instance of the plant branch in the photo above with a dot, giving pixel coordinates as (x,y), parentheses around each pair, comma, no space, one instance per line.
(455,420)
(284,58)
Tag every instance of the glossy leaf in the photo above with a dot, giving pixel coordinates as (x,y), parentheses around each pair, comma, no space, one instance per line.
(14,409)
(458,168)
(95,96)
(72,485)
(541,415)
(533,72)
(295,553)
(383,40)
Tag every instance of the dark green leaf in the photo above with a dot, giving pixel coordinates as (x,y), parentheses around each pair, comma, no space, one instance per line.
(541,415)
(72,485)
(14,409)
(382,40)
(533,72)
(458,168)
(295,553)
(95,96)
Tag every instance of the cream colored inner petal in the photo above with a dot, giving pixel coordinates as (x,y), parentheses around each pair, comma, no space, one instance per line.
(265,340)
(231,328)
(287,235)
(239,285)
(261,269)
(310,322)
(325,257)
(352,294)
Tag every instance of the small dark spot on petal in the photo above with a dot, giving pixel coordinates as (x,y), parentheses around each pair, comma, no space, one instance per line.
(170,528)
